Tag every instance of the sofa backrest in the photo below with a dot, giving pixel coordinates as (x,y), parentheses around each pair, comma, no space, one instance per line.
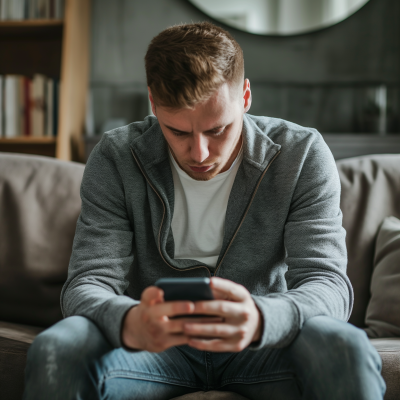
(370,192)
(39,207)
(40,204)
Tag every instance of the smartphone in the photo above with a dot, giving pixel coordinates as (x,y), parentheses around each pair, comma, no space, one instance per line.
(192,289)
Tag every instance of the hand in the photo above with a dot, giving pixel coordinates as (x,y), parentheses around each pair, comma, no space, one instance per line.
(242,323)
(147,326)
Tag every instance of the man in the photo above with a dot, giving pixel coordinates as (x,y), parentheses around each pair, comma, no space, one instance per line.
(204,190)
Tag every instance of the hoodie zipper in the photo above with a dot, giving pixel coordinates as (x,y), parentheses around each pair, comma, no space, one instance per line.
(162,220)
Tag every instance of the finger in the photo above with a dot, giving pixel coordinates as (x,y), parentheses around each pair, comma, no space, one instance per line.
(176,325)
(152,295)
(215,345)
(231,290)
(221,308)
(210,330)
(172,308)
(170,341)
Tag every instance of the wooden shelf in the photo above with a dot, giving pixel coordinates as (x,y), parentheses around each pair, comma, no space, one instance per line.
(29,140)
(44,146)
(58,49)
(31,46)
(31,23)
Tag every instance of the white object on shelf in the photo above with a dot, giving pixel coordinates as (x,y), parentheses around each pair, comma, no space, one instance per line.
(11,106)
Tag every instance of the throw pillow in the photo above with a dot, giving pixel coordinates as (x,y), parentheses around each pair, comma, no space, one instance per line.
(383,311)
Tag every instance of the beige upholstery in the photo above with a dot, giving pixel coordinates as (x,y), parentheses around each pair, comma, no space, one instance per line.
(389,350)
(370,192)
(39,206)
(383,312)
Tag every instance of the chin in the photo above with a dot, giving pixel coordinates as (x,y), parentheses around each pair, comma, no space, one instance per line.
(202,176)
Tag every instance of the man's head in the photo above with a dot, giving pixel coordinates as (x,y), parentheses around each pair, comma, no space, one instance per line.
(195,76)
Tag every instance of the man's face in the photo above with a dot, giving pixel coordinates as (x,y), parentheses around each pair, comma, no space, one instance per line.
(205,140)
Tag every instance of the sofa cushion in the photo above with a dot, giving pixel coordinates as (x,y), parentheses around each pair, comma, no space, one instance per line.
(370,192)
(15,340)
(389,350)
(383,312)
(39,207)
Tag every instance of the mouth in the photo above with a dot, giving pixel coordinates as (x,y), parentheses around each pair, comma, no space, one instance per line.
(200,169)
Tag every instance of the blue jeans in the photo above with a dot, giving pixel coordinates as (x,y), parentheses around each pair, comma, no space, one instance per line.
(328,360)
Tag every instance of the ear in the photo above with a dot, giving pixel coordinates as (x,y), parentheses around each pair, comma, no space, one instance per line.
(246,95)
(153,107)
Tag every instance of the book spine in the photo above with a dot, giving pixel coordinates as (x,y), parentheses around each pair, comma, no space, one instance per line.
(49,107)
(52,9)
(20,110)
(46,7)
(42,9)
(4,9)
(32,9)
(26,8)
(59,9)
(11,106)
(56,94)
(38,108)
(16,10)
(1,106)
(27,107)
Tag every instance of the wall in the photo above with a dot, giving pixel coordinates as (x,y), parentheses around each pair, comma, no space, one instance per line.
(318,79)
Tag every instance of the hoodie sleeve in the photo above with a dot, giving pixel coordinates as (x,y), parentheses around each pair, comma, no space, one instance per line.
(316,253)
(102,251)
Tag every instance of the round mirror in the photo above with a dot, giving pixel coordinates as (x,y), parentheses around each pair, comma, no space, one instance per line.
(279,17)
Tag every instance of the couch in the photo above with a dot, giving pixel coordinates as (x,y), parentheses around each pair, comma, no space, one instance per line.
(39,206)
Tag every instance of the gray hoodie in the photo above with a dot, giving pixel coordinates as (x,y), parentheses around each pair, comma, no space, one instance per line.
(283,235)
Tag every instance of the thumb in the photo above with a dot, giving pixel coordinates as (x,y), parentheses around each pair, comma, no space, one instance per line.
(152,295)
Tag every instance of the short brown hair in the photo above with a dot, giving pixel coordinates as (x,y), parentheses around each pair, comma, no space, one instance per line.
(186,63)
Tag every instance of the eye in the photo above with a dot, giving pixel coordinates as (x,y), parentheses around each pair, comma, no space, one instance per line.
(178,133)
(220,132)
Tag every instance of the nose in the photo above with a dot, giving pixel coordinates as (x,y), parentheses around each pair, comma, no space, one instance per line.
(199,148)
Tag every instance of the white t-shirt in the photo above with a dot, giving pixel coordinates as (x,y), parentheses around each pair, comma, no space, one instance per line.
(199,213)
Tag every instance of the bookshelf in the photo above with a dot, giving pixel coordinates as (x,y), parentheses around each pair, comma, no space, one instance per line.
(58,49)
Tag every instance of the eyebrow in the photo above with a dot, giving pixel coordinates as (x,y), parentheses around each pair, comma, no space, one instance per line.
(186,133)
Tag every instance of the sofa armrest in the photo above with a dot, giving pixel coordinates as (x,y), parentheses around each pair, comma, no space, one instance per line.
(15,340)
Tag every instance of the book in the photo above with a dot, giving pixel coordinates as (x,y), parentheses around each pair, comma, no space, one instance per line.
(27,123)
(56,95)
(28,107)
(49,107)
(3,10)
(11,106)
(59,9)
(1,106)
(38,100)
(31,9)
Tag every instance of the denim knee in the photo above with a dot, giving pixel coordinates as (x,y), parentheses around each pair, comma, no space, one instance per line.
(67,341)
(62,354)
(330,343)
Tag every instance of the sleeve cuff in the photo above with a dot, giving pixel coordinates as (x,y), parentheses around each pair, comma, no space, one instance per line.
(111,316)
(281,322)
